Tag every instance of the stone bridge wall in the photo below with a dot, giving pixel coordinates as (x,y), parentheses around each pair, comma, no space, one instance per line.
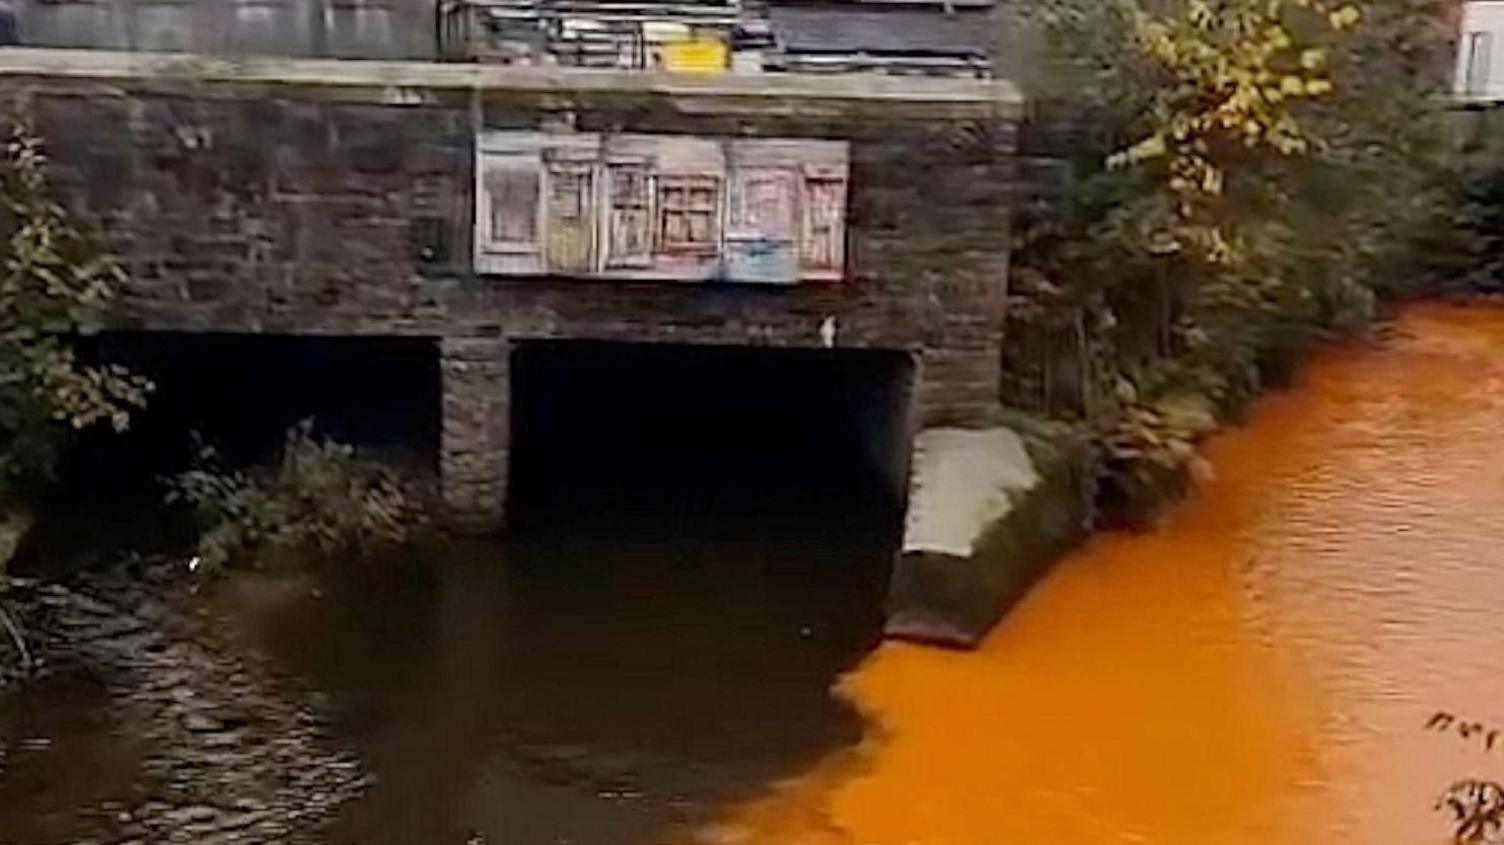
(315,196)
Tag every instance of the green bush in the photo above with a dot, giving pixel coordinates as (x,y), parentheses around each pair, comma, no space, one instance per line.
(1149,456)
(56,283)
(320,497)
(1464,250)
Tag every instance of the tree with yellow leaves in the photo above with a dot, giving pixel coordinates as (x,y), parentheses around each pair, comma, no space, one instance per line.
(1235,70)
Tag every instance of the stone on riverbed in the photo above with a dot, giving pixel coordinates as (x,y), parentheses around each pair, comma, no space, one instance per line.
(13,527)
(200,723)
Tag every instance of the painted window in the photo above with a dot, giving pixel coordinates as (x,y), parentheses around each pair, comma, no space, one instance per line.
(513,203)
(763,225)
(629,230)
(689,213)
(823,239)
(766,201)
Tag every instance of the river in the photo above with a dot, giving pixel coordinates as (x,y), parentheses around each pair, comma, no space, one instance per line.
(1259,668)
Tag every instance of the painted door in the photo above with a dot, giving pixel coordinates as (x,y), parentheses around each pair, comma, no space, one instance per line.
(569,234)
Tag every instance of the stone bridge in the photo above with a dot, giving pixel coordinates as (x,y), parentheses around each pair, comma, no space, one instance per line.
(485,207)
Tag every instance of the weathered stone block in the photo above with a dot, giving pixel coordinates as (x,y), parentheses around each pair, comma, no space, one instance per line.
(986,518)
(475,428)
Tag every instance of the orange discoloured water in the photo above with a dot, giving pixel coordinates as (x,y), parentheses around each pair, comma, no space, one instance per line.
(1260,669)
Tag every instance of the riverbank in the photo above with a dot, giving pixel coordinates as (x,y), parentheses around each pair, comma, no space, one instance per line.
(991,510)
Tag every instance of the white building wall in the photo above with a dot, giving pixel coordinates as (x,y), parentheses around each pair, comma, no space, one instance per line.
(1479,71)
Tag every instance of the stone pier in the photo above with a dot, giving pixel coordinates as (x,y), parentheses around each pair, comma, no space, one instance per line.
(475,428)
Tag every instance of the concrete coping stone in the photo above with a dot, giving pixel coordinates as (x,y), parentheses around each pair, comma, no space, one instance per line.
(417,82)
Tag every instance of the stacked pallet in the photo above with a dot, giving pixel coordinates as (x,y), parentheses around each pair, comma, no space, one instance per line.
(587,33)
(916,38)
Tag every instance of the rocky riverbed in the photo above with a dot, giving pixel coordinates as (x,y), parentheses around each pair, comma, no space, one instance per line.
(229,751)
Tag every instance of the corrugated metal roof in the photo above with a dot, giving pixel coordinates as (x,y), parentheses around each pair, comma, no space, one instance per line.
(854,28)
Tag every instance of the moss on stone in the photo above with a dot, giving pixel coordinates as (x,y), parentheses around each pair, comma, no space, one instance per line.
(949,600)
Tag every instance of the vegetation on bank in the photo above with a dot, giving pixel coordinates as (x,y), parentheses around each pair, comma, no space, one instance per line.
(56,283)
(319,497)
(1233,179)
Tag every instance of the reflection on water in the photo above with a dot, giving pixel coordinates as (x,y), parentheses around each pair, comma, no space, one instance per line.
(1259,670)
(63,749)
(587,691)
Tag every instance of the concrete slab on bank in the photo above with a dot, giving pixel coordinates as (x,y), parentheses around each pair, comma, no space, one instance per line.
(986,519)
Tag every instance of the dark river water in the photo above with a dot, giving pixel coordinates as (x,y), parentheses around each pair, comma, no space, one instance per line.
(598,680)
(1260,668)
(598,690)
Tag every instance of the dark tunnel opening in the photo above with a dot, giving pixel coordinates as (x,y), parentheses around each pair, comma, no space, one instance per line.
(689,438)
(702,543)
(239,393)
(706,538)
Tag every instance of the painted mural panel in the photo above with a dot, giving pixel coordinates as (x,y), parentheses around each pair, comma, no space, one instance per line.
(689,212)
(769,211)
